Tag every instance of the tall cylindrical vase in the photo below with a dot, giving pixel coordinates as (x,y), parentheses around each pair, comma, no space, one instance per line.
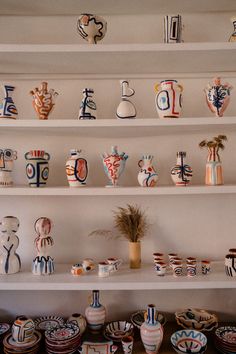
(134,255)
(214,173)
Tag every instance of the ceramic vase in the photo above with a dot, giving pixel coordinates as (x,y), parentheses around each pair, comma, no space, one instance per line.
(43,263)
(151,331)
(37,167)
(168,99)
(147,176)
(230,265)
(232,38)
(23,329)
(172,29)
(7,157)
(214,172)
(114,164)
(135,255)
(9,260)
(7,105)
(92,28)
(126,108)
(43,100)
(76,169)
(95,313)
(218,96)
(88,108)
(78,320)
(181,173)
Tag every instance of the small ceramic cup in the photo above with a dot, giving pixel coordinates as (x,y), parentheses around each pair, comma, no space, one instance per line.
(88,264)
(160,268)
(104,269)
(206,266)
(115,263)
(77,269)
(177,267)
(191,269)
(23,329)
(158,255)
(191,260)
(232,251)
(175,259)
(127,344)
(171,256)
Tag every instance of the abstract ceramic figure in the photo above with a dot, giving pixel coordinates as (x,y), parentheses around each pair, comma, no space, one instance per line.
(43,100)
(114,164)
(76,169)
(78,320)
(126,108)
(37,167)
(181,173)
(172,29)
(95,314)
(43,263)
(7,105)
(232,38)
(23,329)
(151,331)
(168,99)
(218,96)
(7,157)
(88,108)
(127,344)
(230,265)
(147,176)
(9,260)
(92,28)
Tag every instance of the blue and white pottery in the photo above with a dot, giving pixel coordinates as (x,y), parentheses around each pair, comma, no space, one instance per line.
(189,341)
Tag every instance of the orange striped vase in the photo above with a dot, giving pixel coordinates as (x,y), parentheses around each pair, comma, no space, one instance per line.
(95,313)
(214,173)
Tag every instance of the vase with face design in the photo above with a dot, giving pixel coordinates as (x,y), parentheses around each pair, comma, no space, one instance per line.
(114,164)
(168,99)
(147,176)
(88,108)
(37,167)
(7,157)
(7,105)
(76,169)
(181,173)
(43,100)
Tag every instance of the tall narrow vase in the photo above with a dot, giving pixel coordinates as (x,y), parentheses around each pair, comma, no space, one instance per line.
(95,313)
(134,255)
(214,173)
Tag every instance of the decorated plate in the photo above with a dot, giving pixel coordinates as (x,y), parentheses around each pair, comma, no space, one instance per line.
(226,334)
(4,327)
(10,343)
(62,332)
(137,318)
(47,322)
(118,329)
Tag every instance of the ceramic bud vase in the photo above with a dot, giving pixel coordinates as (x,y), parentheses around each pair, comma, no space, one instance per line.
(168,99)
(43,100)
(172,29)
(135,255)
(43,263)
(9,260)
(232,38)
(76,169)
(92,28)
(7,157)
(218,96)
(114,164)
(214,172)
(88,108)
(7,105)
(95,313)
(151,331)
(23,329)
(181,173)
(78,320)
(147,176)
(37,167)
(126,109)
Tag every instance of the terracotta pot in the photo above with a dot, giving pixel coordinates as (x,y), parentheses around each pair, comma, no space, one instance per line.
(135,255)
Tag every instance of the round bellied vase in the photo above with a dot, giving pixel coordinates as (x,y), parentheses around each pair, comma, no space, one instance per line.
(214,172)
(168,99)
(147,176)
(114,165)
(7,157)
(232,38)
(23,329)
(95,314)
(151,331)
(126,108)
(78,320)
(76,169)
(181,173)
(37,167)
(92,28)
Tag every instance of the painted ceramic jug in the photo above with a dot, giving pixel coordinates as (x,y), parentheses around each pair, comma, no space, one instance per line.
(147,176)
(78,320)
(37,167)
(218,96)
(181,173)
(7,105)
(232,38)
(168,99)
(114,164)
(126,109)
(7,157)
(9,260)
(88,108)
(95,313)
(214,172)
(151,331)
(43,100)
(92,28)
(43,263)
(76,169)
(23,329)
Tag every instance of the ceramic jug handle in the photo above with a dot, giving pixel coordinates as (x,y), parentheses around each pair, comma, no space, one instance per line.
(180,87)
(26,155)
(47,156)
(140,163)
(156,87)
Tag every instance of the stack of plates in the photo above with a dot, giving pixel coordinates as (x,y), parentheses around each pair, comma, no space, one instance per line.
(31,347)
(64,339)
(225,339)
(4,328)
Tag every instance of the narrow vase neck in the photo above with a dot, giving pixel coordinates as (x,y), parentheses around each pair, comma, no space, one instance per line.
(151,316)
(95,301)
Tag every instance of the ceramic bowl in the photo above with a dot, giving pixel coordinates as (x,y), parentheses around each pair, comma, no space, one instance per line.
(189,341)
(118,329)
(92,28)
(138,318)
(200,320)
(47,322)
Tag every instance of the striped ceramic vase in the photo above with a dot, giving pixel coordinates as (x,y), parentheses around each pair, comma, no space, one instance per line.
(151,331)
(214,174)
(95,313)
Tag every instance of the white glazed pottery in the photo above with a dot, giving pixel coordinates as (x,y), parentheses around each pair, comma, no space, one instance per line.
(92,28)
(168,99)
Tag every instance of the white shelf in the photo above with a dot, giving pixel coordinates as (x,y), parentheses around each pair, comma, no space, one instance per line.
(119,58)
(124,279)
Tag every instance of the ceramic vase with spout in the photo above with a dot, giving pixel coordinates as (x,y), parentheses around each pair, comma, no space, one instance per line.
(43,100)
(214,172)
(92,28)
(168,99)
(218,96)
(114,164)
(147,176)
(95,313)
(7,105)
(151,331)
(232,38)
(76,169)
(37,167)
(126,108)
(181,173)
(7,157)
(88,108)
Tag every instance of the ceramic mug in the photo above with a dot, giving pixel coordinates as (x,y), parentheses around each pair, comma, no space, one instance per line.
(77,269)
(104,269)
(158,255)
(206,267)
(88,264)
(23,329)
(160,268)
(191,260)
(191,269)
(127,344)
(115,263)
(177,267)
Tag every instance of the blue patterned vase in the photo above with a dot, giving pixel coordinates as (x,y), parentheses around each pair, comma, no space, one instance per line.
(95,313)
